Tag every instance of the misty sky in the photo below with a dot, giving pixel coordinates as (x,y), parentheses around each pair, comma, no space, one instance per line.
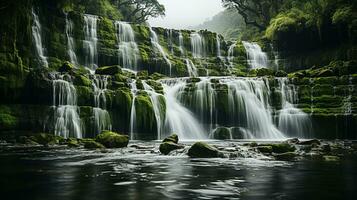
(185,13)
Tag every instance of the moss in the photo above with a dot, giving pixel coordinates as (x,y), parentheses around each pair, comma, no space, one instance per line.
(265,149)
(112,140)
(166,147)
(108,70)
(82,81)
(7,120)
(172,138)
(145,115)
(91,144)
(46,139)
(85,95)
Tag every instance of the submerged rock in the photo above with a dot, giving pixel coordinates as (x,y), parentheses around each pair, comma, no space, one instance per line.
(287,156)
(203,150)
(265,149)
(112,140)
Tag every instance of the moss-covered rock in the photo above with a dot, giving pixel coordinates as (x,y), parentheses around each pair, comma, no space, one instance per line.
(72,142)
(45,139)
(172,138)
(108,70)
(281,147)
(166,147)
(91,144)
(66,67)
(221,133)
(203,150)
(112,140)
(287,156)
(265,149)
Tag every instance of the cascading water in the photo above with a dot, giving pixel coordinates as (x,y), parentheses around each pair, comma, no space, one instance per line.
(230,56)
(36,34)
(191,68)
(70,41)
(218,44)
(155,100)
(134,89)
(66,119)
(255,56)
(198,45)
(90,42)
(101,116)
(169,40)
(156,44)
(292,121)
(181,44)
(179,119)
(127,47)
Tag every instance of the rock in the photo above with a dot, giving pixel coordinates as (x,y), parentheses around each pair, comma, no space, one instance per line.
(203,150)
(310,142)
(66,67)
(108,70)
(325,72)
(73,143)
(112,140)
(287,156)
(326,148)
(166,147)
(26,141)
(91,144)
(281,73)
(172,138)
(265,149)
(293,141)
(238,133)
(282,147)
(221,133)
(331,158)
(45,139)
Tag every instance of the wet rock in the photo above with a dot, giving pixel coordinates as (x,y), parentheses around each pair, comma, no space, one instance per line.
(172,138)
(265,149)
(26,141)
(112,140)
(203,150)
(293,141)
(221,133)
(280,73)
(66,67)
(331,158)
(46,139)
(326,148)
(282,148)
(310,142)
(91,144)
(73,143)
(287,156)
(108,70)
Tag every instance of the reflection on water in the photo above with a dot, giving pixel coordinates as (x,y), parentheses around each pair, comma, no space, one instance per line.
(144,174)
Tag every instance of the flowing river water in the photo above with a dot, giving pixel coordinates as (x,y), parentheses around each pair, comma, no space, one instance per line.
(141,172)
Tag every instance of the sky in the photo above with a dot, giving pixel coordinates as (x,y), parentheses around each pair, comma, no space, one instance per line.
(182,14)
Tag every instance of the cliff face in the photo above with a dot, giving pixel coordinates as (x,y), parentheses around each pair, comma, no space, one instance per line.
(40,64)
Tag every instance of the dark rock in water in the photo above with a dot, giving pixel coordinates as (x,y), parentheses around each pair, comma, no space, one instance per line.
(293,141)
(221,133)
(26,141)
(46,139)
(66,67)
(265,149)
(108,70)
(71,142)
(166,147)
(91,144)
(287,156)
(112,140)
(310,142)
(280,73)
(172,138)
(281,148)
(326,148)
(331,158)
(325,72)
(203,150)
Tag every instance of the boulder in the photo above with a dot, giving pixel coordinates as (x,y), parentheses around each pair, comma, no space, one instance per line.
(310,142)
(281,148)
(172,138)
(46,139)
(73,143)
(108,70)
(265,149)
(91,144)
(166,147)
(112,140)
(66,67)
(287,156)
(280,73)
(221,133)
(203,150)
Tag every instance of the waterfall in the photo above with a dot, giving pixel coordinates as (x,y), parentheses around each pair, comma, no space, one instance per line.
(179,119)
(70,41)
(101,116)
(181,44)
(90,42)
(169,40)
(191,68)
(218,43)
(230,56)
(156,44)
(292,121)
(255,56)
(36,34)
(134,89)
(198,45)
(66,118)
(127,47)
(154,97)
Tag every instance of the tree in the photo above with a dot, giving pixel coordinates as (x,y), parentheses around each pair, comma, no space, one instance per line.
(139,11)
(257,13)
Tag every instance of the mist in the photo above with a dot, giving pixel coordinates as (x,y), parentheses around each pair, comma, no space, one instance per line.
(181,14)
